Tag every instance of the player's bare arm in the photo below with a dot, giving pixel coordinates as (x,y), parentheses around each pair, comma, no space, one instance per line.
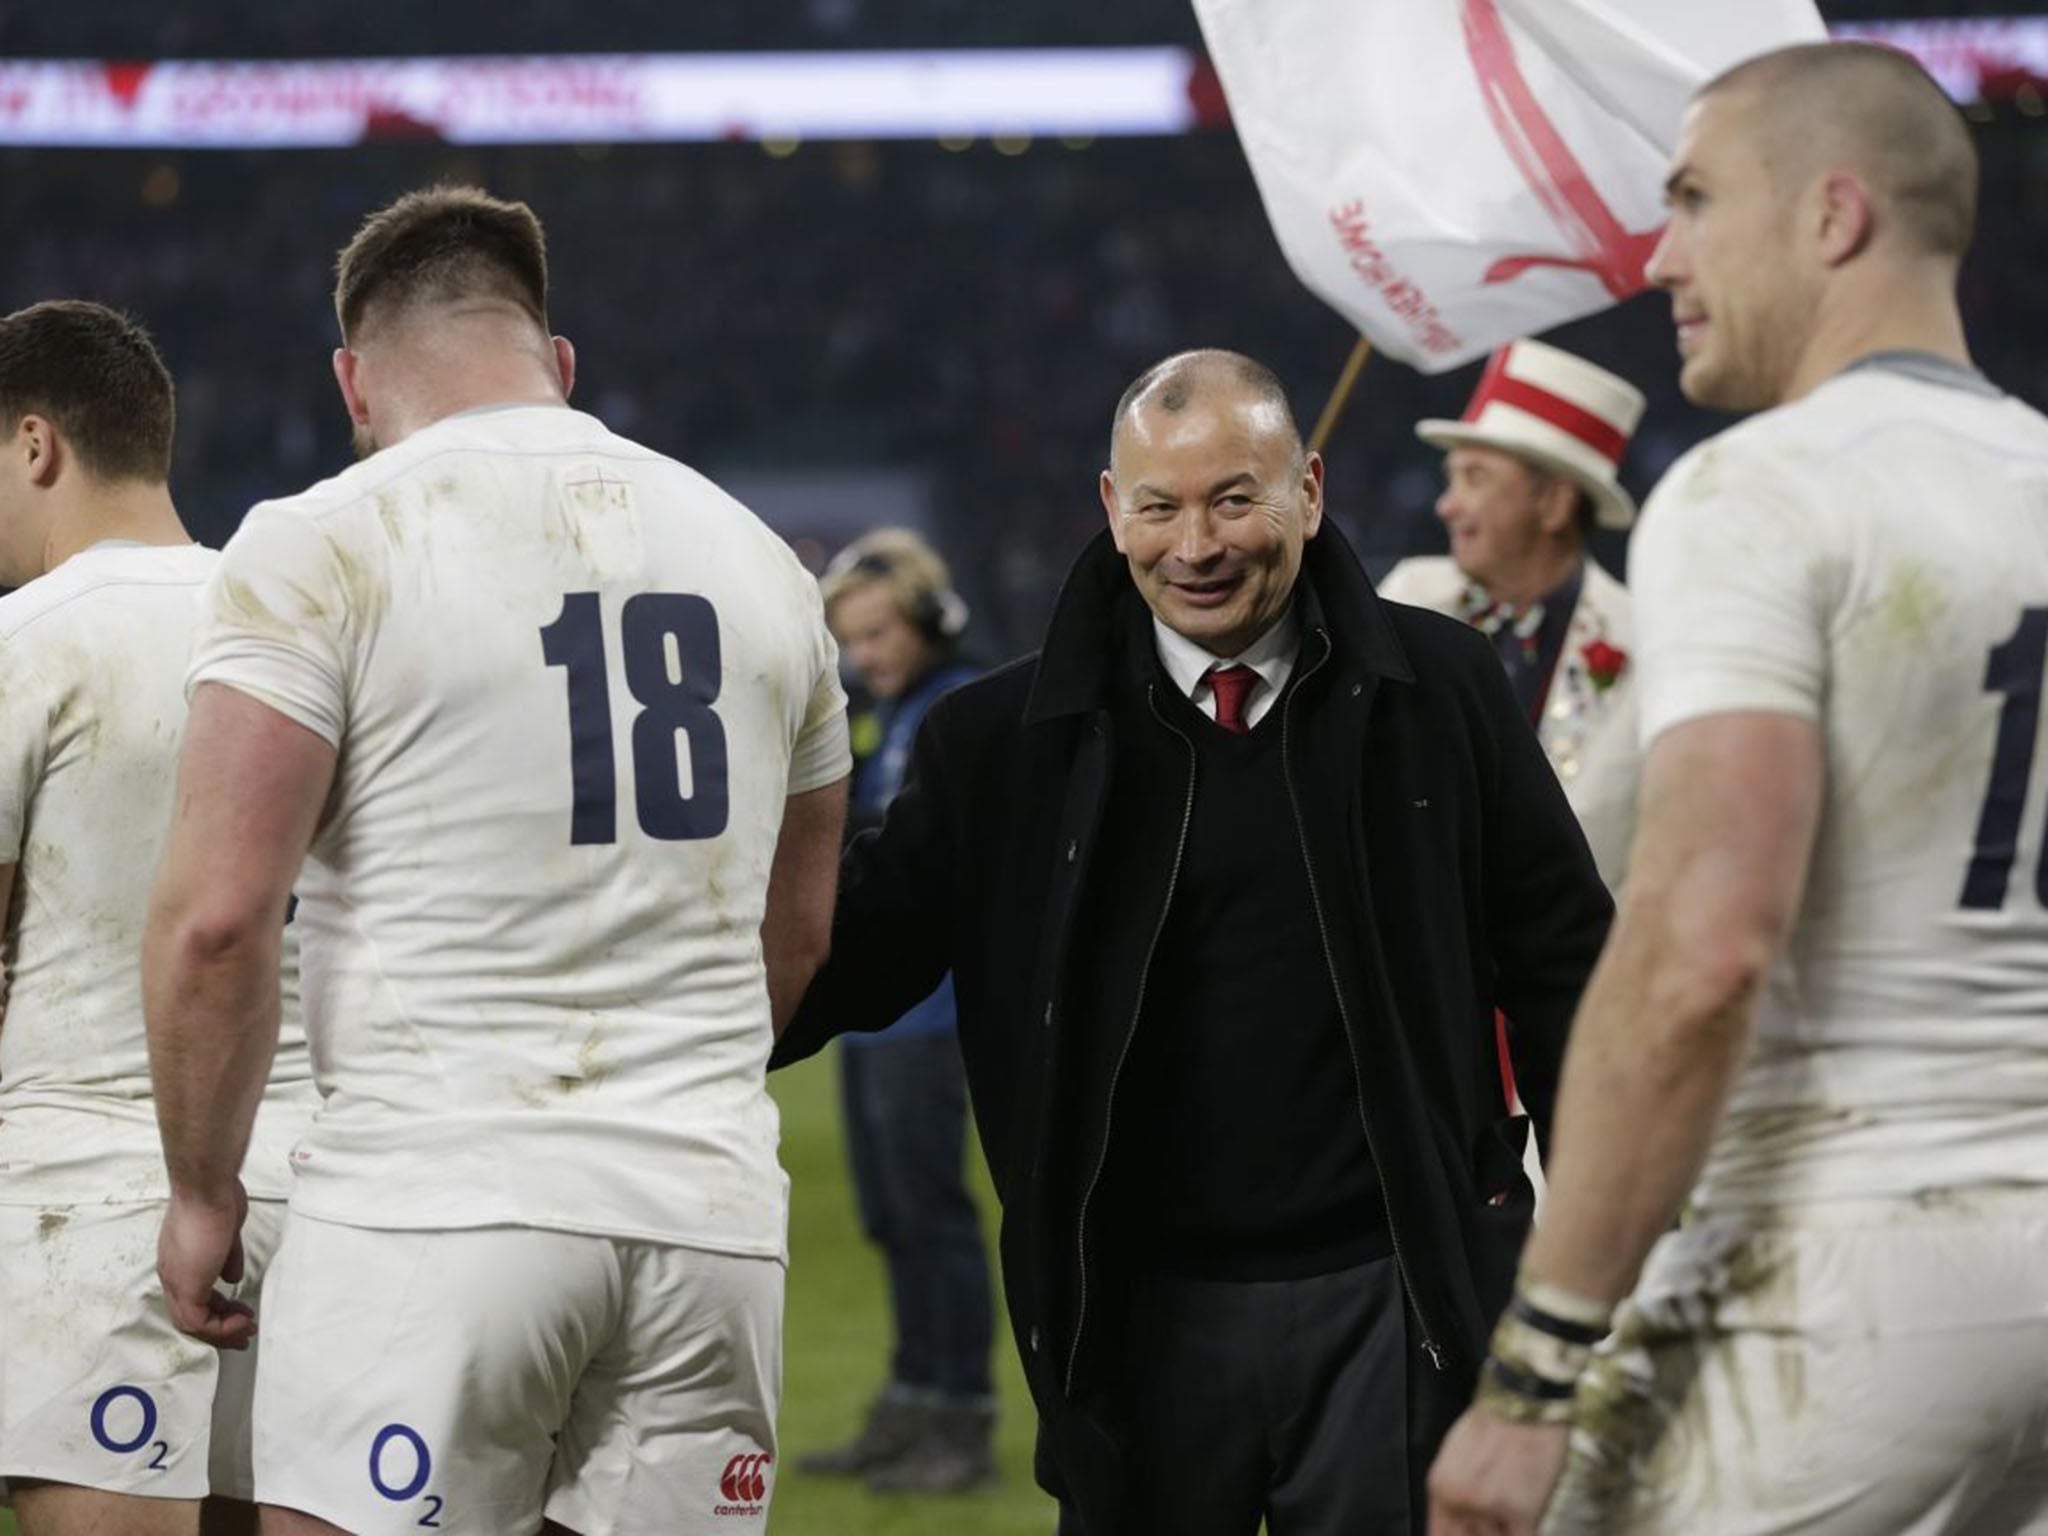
(251,784)
(1731,804)
(796,934)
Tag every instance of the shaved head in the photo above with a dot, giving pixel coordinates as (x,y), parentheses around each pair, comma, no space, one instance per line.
(1871,109)
(1175,383)
(1821,201)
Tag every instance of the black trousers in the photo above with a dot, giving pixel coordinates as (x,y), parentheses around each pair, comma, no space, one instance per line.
(905,1101)
(1283,1401)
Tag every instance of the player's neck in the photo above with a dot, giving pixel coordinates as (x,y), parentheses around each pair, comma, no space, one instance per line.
(476,392)
(131,512)
(427,377)
(1903,318)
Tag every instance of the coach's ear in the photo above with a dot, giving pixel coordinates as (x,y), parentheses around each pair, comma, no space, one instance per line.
(345,376)
(565,364)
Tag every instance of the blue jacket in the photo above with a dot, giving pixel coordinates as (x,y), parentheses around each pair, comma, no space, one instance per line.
(876,778)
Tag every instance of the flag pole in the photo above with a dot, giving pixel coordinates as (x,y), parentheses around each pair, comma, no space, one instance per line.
(1327,422)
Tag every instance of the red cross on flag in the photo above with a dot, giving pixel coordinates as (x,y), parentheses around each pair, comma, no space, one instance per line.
(1453,174)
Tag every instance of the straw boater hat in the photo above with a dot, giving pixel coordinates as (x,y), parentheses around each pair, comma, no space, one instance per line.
(1560,413)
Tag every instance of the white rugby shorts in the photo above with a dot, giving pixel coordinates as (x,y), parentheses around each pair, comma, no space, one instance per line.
(467,1381)
(97,1389)
(1872,1368)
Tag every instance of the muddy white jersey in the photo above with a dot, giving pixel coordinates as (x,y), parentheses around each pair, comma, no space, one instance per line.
(571,684)
(92,710)
(1874,557)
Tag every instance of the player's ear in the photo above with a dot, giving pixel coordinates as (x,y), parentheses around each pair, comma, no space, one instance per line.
(351,394)
(565,364)
(1847,218)
(39,447)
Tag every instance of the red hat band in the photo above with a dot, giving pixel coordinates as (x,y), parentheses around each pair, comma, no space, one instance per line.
(1498,386)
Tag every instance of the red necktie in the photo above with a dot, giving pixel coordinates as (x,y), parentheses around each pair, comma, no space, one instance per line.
(1233,685)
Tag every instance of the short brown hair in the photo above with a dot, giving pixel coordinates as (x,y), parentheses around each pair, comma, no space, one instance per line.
(97,376)
(1882,109)
(438,245)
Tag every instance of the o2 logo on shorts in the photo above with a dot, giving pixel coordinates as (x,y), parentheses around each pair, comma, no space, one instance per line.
(389,1473)
(118,1408)
(744,1484)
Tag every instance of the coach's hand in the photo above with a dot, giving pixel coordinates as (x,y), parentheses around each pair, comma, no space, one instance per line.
(1494,1478)
(202,1243)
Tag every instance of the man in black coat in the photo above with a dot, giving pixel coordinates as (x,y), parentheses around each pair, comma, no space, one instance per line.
(1231,878)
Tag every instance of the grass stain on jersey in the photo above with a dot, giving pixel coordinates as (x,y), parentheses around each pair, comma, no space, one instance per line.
(363,589)
(1633,1420)
(591,1067)
(45,864)
(1790,1362)
(50,1223)
(392,520)
(251,611)
(1913,606)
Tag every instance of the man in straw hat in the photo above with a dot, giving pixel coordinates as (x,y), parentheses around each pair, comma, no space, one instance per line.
(1529,471)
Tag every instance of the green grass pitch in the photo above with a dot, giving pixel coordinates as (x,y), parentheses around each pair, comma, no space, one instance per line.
(836,1344)
(837,1340)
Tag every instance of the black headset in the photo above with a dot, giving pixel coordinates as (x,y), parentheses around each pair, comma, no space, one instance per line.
(939,613)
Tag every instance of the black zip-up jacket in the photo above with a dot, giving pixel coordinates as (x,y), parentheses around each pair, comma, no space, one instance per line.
(1449,878)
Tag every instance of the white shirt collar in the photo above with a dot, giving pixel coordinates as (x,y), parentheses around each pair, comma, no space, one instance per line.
(1271,656)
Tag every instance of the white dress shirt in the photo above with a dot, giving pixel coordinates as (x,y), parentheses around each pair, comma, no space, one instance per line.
(1271,656)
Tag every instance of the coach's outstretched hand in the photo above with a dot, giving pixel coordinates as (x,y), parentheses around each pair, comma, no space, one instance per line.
(202,1243)
(1495,1478)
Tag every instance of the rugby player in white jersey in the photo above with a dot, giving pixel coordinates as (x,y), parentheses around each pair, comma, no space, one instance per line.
(111,1421)
(1821,1023)
(557,729)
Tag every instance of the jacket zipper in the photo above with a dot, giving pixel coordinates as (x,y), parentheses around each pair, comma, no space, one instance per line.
(1180,847)
(1429,1346)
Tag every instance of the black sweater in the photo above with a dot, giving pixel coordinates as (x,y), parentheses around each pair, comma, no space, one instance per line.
(1240,1148)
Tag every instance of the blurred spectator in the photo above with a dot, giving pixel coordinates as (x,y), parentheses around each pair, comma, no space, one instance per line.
(259,29)
(1529,473)
(256,29)
(890,602)
(845,305)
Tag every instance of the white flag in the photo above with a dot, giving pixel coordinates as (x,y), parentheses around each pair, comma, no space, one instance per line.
(1453,174)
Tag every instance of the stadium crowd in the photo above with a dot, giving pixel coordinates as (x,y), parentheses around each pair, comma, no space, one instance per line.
(848,305)
(250,29)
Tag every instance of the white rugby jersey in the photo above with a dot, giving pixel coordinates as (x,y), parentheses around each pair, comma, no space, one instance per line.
(572,684)
(1874,557)
(92,709)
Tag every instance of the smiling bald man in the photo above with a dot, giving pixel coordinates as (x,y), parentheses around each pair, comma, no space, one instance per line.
(1231,877)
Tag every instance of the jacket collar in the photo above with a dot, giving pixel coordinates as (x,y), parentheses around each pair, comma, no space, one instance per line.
(1101,628)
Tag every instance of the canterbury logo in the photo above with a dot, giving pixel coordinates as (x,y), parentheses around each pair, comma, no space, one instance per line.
(746,1478)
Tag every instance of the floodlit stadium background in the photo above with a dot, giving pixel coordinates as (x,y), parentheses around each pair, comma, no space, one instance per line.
(925,322)
(860,290)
